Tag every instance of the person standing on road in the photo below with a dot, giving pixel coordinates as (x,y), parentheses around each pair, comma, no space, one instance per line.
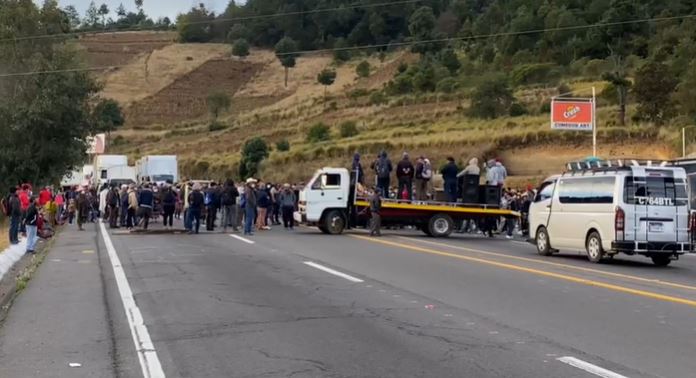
(60,207)
(45,196)
(196,201)
(14,212)
(212,204)
(168,199)
(24,195)
(229,206)
(375,210)
(404,175)
(383,169)
(83,208)
(449,175)
(31,221)
(132,207)
(123,205)
(249,203)
(262,203)
(113,201)
(287,203)
(146,202)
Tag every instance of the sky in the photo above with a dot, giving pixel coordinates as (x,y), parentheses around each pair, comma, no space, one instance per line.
(153,8)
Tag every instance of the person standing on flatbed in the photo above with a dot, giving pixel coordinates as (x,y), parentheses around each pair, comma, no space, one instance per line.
(375,209)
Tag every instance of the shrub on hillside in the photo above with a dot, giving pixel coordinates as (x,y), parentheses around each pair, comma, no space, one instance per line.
(216,126)
(363,69)
(348,129)
(492,98)
(447,85)
(534,73)
(319,132)
(283,145)
(378,98)
(253,152)
(517,109)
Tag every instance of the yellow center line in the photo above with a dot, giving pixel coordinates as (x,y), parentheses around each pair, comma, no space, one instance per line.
(589,270)
(618,288)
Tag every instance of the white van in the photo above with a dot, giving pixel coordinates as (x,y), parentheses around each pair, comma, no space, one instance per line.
(604,208)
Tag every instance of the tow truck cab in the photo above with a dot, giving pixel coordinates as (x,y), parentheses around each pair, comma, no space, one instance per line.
(326,197)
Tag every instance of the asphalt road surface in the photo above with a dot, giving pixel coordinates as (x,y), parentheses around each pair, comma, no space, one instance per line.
(304,304)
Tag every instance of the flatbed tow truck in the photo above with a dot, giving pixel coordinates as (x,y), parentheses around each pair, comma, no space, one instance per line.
(331,201)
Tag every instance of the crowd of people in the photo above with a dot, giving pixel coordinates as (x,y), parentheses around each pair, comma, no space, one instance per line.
(255,205)
(33,216)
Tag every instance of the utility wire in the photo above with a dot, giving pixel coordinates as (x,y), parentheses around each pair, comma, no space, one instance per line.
(218,20)
(411,43)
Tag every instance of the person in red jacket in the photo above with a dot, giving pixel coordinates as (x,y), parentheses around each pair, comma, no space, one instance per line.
(45,196)
(24,195)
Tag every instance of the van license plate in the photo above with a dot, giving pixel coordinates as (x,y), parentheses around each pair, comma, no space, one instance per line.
(656,227)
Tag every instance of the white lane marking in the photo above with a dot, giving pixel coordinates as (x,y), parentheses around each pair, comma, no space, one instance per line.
(334,272)
(588,367)
(149,362)
(243,239)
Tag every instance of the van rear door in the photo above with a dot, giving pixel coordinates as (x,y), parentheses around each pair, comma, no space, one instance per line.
(656,207)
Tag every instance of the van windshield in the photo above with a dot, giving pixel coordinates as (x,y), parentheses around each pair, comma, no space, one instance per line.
(655,191)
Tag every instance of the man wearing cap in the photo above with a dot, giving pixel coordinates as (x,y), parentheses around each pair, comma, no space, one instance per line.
(287,204)
(196,201)
(249,205)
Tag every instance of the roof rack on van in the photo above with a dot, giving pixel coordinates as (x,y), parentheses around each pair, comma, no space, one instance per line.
(611,164)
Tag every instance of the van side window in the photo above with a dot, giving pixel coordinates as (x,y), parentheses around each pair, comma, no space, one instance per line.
(545,191)
(587,190)
(327,181)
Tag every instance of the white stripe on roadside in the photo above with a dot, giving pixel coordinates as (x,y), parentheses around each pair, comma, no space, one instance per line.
(149,362)
(588,367)
(243,239)
(334,272)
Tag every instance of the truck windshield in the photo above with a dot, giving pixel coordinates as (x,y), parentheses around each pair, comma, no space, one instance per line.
(655,191)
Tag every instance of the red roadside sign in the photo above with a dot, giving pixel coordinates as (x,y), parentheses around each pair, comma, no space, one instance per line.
(572,114)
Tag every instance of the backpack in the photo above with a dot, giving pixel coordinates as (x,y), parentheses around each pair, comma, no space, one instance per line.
(208,200)
(427,171)
(113,199)
(242,201)
(382,168)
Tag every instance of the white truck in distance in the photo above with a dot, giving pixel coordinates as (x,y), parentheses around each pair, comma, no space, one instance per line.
(103,164)
(157,169)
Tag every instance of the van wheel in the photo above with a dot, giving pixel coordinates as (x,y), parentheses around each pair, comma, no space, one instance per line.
(334,223)
(661,260)
(323,229)
(542,242)
(593,245)
(440,225)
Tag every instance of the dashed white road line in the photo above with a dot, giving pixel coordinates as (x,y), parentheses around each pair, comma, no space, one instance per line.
(590,368)
(332,271)
(243,239)
(149,361)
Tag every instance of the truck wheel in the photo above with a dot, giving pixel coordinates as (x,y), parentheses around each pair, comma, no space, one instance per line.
(661,260)
(440,225)
(334,223)
(426,229)
(593,245)
(542,242)
(323,229)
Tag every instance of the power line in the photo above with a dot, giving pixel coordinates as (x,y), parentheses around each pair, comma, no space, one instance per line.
(58,71)
(410,43)
(218,20)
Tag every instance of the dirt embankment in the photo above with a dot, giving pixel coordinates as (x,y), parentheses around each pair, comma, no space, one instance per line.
(115,49)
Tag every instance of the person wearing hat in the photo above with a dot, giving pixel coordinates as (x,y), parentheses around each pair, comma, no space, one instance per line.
(248,204)
(287,204)
(83,208)
(404,174)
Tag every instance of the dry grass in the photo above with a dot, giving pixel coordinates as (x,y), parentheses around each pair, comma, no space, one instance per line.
(151,72)
(4,237)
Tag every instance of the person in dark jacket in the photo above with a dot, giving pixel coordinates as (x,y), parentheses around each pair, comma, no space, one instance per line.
(146,202)
(287,204)
(263,202)
(168,200)
(449,175)
(31,221)
(404,174)
(228,201)
(375,210)
(113,203)
(383,168)
(83,208)
(123,205)
(196,202)
(212,204)
(14,211)
(357,170)
(249,204)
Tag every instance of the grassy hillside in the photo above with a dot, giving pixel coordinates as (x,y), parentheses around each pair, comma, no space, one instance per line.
(165,94)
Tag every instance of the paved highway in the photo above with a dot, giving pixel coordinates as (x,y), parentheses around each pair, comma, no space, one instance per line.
(304,304)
